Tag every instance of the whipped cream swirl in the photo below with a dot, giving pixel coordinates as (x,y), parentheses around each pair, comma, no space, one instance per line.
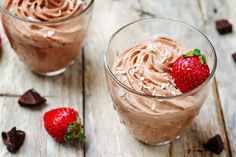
(45,10)
(147,67)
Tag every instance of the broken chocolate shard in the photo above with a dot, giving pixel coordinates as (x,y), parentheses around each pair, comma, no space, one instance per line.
(31,98)
(234,56)
(13,139)
(215,144)
(223,26)
(215,10)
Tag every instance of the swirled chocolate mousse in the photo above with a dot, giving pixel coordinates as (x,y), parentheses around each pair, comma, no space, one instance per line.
(146,68)
(45,44)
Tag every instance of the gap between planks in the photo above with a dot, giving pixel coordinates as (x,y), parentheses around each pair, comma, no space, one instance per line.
(216,93)
(214,87)
(9,95)
(220,117)
(221,114)
(171,150)
(83,95)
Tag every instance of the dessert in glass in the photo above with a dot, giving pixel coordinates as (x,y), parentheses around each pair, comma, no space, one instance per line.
(47,35)
(147,64)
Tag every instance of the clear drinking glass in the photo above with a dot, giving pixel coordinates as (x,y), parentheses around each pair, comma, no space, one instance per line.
(147,126)
(47,47)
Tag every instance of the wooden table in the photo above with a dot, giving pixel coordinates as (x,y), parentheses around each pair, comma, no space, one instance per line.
(83,87)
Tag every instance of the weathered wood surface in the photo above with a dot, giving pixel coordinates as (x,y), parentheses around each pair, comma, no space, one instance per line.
(63,90)
(106,136)
(226,72)
(84,85)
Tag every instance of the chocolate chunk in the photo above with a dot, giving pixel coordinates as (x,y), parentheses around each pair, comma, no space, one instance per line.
(31,98)
(215,144)
(223,26)
(234,56)
(215,10)
(13,139)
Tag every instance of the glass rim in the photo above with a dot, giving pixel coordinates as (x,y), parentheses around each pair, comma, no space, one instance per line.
(4,10)
(107,68)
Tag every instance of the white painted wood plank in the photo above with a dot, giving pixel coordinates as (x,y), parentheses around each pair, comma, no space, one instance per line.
(226,73)
(63,90)
(106,136)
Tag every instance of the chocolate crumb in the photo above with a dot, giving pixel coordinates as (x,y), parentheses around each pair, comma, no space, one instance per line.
(13,139)
(234,56)
(223,26)
(215,10)
(215,144)
(31,98)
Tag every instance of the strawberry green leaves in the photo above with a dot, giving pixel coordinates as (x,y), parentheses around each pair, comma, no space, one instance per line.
(64,125)
(190,70)
(196,52)
(74,132)
(203,59)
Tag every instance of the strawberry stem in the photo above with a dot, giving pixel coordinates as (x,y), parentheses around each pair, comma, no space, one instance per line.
(196,52)
(74,132)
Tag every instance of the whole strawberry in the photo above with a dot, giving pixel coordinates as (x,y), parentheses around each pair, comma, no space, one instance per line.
(64,125)
(190,70)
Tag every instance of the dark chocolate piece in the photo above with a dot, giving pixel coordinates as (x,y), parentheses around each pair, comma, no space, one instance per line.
(31,98)
(215,144)
(13,139)
(223,26)
(234,56)
(215,10)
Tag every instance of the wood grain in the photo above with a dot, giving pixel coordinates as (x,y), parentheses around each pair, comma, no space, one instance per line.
(226,71)
(84,85)
(106,136)
(63,90)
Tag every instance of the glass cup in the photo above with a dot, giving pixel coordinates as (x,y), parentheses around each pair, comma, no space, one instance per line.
(135,109)
(47,47)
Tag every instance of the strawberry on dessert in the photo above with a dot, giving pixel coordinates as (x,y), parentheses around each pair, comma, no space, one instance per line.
(64,125)
(190,70)
(157,72)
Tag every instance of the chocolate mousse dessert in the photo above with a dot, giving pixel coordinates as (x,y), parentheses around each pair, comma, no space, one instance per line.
(158,67)
(47,35)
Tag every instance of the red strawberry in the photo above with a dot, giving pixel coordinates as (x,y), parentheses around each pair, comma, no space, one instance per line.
(190,70)
(63,124)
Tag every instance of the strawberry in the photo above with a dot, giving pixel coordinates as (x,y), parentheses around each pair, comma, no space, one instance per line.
(64,125)
(190,70)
